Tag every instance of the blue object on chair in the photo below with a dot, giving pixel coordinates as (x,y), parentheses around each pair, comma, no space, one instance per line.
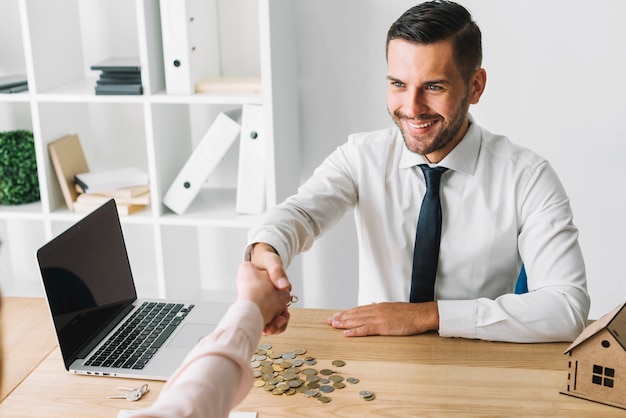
(521,286)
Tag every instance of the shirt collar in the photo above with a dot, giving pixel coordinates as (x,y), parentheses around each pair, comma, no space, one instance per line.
(462,158)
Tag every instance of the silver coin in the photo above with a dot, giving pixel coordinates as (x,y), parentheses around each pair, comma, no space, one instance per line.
(295,383)
(311,393)
(265,346)
(289,376)
(352,380)
(326,389)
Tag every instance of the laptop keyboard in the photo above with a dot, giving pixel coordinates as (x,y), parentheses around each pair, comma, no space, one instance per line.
(138,339)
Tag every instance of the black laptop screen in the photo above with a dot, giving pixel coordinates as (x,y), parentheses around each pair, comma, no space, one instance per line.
(87,277)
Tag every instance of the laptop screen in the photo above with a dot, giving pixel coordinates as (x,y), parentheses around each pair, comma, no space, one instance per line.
(87,278)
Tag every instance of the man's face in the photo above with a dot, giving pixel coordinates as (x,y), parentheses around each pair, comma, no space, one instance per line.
(428,98)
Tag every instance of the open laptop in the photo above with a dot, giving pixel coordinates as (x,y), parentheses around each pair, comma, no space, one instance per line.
(91,294)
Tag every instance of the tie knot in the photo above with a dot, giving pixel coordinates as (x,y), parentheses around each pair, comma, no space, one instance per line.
(432,175)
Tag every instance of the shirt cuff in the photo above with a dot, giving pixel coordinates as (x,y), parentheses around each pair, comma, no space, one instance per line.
(457,318)
(269,239)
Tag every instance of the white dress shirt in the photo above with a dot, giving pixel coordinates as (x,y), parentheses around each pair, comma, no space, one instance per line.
(502,206)
(216,375)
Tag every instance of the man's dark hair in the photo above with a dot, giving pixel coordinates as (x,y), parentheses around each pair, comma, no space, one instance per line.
(435,21)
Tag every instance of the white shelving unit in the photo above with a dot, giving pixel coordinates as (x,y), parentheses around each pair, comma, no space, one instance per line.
(54,43)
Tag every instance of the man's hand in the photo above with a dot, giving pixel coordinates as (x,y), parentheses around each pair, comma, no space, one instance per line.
(264,257)
(398,318)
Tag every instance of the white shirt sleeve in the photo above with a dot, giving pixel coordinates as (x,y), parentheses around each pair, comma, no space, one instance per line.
(216,375)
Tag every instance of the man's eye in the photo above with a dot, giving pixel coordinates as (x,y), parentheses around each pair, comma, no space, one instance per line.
(433,87)
(397,84)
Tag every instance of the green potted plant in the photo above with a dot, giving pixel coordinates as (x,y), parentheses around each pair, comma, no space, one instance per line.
(18,168)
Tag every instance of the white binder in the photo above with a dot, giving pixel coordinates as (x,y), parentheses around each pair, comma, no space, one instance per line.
(202,161)
(190,38)
(251,177)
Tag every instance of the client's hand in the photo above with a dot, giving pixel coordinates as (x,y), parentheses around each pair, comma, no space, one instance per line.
(264,257)
(254,284)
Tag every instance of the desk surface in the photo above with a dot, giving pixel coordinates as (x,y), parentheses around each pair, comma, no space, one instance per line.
(27,339)
(423,375)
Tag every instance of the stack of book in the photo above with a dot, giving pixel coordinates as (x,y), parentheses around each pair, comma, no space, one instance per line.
(129,187)
(13,83)
(118,76)
(85,190)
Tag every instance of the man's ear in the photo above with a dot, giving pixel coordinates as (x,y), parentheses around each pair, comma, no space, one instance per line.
(477,85)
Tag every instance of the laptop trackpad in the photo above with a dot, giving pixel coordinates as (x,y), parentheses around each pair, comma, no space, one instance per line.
(190,334)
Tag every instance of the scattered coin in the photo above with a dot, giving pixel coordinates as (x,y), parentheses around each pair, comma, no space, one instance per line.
(295,383)
(311,393)
(312,378)
(326,389)
(281,373)
(367,395)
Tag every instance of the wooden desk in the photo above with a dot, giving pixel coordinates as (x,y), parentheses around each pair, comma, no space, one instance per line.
(413,376)
(27,339)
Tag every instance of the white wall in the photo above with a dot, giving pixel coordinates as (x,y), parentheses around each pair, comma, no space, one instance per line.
(555,84)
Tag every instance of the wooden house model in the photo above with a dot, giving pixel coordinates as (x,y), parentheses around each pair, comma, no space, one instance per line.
(597,361)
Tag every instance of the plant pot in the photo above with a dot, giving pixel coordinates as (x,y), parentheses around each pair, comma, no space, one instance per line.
(19,182)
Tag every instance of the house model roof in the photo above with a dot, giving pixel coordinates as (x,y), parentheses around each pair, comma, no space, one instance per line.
(613,321)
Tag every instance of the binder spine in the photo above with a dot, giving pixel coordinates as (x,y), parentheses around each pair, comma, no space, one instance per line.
(190,37)
(251,176)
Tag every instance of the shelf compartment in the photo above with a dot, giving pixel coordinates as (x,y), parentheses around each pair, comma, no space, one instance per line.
(111,135)
(206,265)
(12,45)
(177,131)
(72,35)
(19,273)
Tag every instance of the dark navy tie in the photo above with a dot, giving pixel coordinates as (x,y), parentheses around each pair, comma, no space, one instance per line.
(427,237)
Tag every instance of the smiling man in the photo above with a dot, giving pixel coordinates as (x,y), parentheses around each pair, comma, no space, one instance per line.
(446,212)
